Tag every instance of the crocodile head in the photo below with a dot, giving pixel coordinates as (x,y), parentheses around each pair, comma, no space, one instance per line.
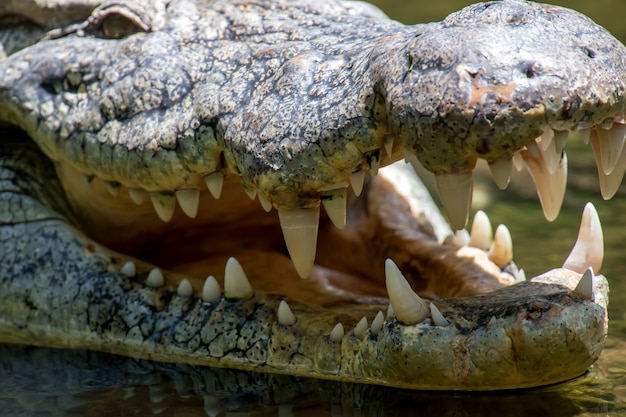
(201,103)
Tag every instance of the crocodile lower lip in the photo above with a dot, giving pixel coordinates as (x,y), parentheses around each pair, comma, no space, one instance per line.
(187,118)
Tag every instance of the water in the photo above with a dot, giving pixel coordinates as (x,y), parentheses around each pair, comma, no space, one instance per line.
(36,382)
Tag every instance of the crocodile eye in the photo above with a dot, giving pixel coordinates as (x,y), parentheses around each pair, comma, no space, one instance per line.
(116,26)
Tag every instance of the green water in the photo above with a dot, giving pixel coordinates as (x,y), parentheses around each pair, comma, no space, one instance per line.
(61,386)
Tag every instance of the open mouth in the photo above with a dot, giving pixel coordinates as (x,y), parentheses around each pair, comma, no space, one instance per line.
(163,139)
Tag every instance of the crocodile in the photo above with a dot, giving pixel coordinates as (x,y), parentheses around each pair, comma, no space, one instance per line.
(114,114)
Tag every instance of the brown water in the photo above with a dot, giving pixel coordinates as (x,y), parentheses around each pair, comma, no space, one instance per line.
(59,383)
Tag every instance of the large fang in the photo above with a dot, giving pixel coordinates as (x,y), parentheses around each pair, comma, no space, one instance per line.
(480,236)
(211,290)
(300,233)
(163,204)
(501,252)
(285,315)
(455,191)
(408,307)
(501,171)
(236,284)
(588,250)
(585,285)
(356,181)
(550,187)
(188,201)
(335,206)
(214,183)
(609,184)
(607,146)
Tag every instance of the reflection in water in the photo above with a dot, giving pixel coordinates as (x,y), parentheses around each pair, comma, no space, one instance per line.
(52,382)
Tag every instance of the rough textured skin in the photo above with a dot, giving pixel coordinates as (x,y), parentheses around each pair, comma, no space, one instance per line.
(290,98)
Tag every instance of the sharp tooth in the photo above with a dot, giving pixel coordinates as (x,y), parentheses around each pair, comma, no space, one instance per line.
(480,236)
(236,284)
(521,274)
(356,181)
(388,145)
(455,191)
(163,204)
(438,318)
(501,171)
(588,250)
(113,187)
(361,328)
(560,140)
(188,201)
(533,149)
(265,203)
(337,333)
(585,135)
(155,278)
(377,323)
(609,184)
(211,290)
(550,187)
(411,158)
(374,162)
(461,238)
(214,183)
(300,233)
(88,178)
(547,138)
(129,269)
(607,146)
(501,252)
(518,161)
(137,195)
(390,314)
(585,285)
(184,288)
(250,192)
(408,307)
(284,314)
(335,205)
(551,158)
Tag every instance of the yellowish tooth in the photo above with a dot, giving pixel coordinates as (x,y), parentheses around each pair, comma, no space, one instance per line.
(607,146)
(461,238)
(501,252)
(377,323)
(374,163)
(585,285)
(155,278)
(546,139)
(411,158)
(356,181)
(408,307)
(250,192)
(113,187)
(533,149)
(236,284)
(551,158)
(129,269)
(335,205)
(188,200)
(285,315)
(585,135)
(610,184)
(588,251)
(438,318)
(300,232)
(550,187)
(390,315)
(337,333)
(560,140)
(518,161)
(163,204)
(265,203)
(214,182)
(388,145)
(137,195)
(501,171)
(455,191)
(184,288)
(361,328)
(480,236)
(211,290)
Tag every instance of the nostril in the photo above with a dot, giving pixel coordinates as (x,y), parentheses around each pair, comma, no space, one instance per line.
(528,69)
(590,52)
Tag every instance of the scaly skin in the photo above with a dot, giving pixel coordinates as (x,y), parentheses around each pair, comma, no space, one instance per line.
(289,99)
